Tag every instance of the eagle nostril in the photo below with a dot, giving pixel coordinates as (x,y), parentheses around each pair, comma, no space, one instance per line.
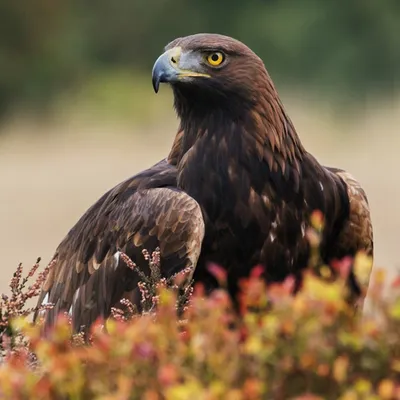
(173,60)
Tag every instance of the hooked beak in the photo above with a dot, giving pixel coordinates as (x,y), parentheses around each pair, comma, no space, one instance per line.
(168,68)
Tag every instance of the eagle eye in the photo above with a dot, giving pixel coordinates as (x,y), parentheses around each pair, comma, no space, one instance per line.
(215,59)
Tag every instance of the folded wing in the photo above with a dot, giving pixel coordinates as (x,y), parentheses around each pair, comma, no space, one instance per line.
(144,212)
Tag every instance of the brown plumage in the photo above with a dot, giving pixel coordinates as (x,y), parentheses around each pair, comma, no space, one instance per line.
(237,174)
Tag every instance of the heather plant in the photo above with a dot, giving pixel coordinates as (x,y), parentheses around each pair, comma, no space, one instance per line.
(277,346)
(150,284)
(14,305)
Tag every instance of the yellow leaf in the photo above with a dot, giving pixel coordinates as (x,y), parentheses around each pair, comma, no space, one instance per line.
(362,268)
(166,296)
(234,394)
(349,395)
(325,272)
(190,390)
(317,220)
(386,389)
(363,386)
(218,389)
(395,310)
(253,345)
(340,367)
(300,305)
(380,276)
(111,326)
(321,290)
(271,324)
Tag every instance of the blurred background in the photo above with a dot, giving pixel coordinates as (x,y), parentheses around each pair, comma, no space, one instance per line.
(78,113)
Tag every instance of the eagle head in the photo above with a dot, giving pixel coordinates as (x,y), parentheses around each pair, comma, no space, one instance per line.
(208,69)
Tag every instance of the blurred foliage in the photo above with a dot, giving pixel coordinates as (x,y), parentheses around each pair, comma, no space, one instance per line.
(334,47)
(310,346)
(305,347)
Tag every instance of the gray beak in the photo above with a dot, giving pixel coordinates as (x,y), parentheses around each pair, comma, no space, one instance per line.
(165,68)
(173,66)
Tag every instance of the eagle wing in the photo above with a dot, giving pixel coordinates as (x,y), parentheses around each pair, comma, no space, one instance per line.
(357,234)
(145,212)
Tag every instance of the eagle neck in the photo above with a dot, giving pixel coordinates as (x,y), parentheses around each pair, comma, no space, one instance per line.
(272,126)
(263,129)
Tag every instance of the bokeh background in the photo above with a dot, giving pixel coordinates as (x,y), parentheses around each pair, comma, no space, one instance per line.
(78,114)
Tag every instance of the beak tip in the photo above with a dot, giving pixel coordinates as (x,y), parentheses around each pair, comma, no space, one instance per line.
(156,85)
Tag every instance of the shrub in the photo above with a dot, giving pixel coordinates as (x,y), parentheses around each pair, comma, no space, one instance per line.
(309,346)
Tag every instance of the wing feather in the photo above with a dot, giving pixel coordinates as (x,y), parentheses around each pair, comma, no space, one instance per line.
(357,233)
(145,212)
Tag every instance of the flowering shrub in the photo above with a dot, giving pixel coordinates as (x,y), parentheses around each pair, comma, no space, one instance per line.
(309,346)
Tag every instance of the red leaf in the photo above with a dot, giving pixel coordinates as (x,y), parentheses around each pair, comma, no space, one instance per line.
(218,272)
(343,266)
(396,283)
(257,271)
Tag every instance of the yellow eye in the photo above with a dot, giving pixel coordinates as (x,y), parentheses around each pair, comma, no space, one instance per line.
(215,59)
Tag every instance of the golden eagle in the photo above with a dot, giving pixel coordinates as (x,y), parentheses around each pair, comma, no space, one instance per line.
(237,189)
